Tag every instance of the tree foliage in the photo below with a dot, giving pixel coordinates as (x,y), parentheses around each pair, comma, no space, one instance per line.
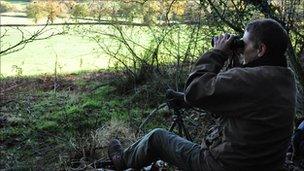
(41,9)
(5,6)
(80,10)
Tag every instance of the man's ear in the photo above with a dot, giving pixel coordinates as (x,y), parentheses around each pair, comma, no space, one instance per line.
(262,50)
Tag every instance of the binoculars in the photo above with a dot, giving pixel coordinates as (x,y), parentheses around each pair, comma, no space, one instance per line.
(237,43)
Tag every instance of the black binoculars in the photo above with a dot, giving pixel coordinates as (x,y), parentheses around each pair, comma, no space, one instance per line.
(237,43)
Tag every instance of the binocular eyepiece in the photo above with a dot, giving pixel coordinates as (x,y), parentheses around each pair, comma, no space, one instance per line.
(237,43)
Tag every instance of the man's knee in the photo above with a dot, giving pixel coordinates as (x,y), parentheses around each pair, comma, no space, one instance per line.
(158,133)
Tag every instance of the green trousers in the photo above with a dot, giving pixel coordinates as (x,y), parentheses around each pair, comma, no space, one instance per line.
(160,144)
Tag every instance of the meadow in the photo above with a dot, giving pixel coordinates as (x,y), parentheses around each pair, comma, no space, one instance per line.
(75,51)
(69,53)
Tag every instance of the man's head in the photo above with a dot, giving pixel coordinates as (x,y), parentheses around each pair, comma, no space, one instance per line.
(265,38)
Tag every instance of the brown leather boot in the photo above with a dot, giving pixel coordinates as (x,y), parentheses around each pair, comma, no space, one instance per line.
(115,153)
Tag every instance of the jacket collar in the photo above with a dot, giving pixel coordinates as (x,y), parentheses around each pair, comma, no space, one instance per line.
(267,61)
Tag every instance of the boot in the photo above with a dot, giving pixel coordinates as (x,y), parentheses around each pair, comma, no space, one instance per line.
(115,153)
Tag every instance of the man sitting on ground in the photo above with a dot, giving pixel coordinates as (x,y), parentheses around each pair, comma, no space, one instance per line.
(256,103)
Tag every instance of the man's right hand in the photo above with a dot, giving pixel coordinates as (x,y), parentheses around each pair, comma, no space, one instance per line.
(175,100)
(223,42)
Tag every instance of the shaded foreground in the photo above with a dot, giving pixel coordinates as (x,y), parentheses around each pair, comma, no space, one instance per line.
(66,122)
(49,122)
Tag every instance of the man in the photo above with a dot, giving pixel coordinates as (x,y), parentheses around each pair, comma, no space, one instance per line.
(255,103)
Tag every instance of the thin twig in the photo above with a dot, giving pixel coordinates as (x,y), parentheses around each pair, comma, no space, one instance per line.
(150,115)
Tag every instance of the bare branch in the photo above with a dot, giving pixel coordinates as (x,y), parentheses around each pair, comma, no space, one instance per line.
(130,49)
(25,40)
(229,23)
(4,34)
(114,54)
(168,11)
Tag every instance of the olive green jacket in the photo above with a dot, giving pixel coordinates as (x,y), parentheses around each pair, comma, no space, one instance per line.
(256,104)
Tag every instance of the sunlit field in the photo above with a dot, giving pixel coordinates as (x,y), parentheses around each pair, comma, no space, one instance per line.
(66,53)
(69,53)
(75,51)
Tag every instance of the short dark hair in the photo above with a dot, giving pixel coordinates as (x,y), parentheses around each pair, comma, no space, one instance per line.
(271,33)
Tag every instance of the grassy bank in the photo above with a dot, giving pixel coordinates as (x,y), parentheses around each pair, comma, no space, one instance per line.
(66,121)
(53,123)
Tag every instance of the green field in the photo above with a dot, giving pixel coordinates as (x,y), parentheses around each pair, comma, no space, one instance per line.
(63,53)
(72,53)
(67,53)
(75,51)
(21,2)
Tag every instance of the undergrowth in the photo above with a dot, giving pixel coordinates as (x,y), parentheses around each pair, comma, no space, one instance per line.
(64,122)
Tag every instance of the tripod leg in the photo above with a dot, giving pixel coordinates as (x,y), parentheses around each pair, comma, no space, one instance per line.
(177,122)
(187,133)
(183,127)
(180,129)
(172,126)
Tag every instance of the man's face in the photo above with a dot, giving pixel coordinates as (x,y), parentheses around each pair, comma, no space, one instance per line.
(250,51)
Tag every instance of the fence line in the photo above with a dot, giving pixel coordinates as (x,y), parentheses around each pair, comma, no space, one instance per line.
(100,23)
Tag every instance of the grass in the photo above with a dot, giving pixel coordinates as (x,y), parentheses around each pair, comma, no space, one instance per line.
(47,128)
(67,53)
(74,52)
(71,53)
(23,2)
(50,122)
(54,121)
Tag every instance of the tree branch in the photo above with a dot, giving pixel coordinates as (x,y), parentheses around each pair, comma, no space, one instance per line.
(230,24)
(24,41)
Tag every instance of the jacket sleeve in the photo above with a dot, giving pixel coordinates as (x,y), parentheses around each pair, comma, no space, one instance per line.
(221,93)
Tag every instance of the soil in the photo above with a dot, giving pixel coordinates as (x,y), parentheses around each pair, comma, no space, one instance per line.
(15,85)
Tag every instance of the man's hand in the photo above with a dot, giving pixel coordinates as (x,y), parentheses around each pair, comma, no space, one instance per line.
(223,43)
(175,100)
